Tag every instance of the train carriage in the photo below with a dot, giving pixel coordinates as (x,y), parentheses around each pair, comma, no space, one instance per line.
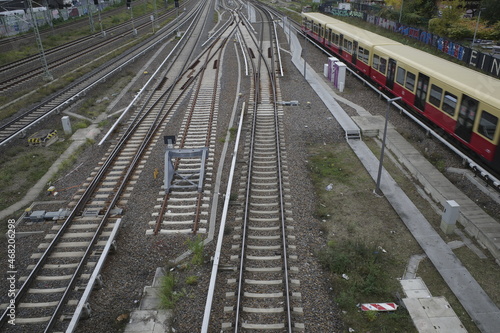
(461,101)
(354,45)
(314,25)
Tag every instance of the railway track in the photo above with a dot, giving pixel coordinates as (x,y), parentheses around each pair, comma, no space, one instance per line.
(60,270)
(16,41)
(69,55)
(59,101)
(263,293)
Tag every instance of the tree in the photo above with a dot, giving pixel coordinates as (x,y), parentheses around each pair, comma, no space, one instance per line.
(491,11)
(415,11)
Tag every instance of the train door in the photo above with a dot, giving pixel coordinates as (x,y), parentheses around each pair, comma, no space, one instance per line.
(354,52)
(466,117)
(391,72)
(341,43)
(422,88)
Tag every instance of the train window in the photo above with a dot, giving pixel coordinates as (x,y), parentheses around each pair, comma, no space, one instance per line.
(336,39)
(449,103)
(488,125)
(383,65)
(436,95)
(347,46)
(363,54)
(376,61)
(400,77)
(410,81)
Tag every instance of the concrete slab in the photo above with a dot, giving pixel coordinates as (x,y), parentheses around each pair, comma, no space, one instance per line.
(415,288)
(150,299)
(433,314)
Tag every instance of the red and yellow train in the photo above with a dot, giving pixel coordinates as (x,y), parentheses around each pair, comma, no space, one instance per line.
(462,102)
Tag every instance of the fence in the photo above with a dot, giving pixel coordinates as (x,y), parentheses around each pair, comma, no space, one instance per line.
(481,60)
(19,21)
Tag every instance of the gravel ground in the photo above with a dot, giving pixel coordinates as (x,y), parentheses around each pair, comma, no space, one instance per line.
(132,267)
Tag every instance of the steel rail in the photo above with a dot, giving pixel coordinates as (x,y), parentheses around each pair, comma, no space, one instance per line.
(271,73)
(164,204)
(96,76)
(190,31)
(82,202)
(94,277)
(280,178)
(78,208)
(81,40)
(206,53)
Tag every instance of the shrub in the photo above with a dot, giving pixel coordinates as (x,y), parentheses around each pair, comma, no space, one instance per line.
(168,297)
(196,246)
(192,280)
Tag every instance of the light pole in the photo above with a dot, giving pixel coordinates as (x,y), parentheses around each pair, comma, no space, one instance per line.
(389,102)
(401,11)
(477,25)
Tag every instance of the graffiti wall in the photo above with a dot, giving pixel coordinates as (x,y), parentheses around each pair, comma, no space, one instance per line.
(471,57)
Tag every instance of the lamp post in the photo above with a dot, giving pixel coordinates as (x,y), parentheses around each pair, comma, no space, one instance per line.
(477,25)
(389,102)
(401,11)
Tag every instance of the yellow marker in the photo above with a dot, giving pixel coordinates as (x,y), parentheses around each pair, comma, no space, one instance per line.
(155,173)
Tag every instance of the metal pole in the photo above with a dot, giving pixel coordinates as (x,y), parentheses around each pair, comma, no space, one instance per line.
(177,21)
(477,25)
(389,102)
(47,76)
(401,11)
(134,32)
(103,33)
(305,63)
(91,18)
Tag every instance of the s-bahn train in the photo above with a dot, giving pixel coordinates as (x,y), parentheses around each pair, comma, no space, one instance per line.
(462,102)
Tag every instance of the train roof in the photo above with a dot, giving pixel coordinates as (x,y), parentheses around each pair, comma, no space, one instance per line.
(321,18)
(361,35)
(471,82)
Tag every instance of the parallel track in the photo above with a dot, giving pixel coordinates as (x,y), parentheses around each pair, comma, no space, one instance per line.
(56,103)
(71,251)
(263,298)
(70,54)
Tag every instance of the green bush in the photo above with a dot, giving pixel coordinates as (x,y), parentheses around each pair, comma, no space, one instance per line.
(192,280)
(459,32)
(168,297)
(196,246)
(364,265)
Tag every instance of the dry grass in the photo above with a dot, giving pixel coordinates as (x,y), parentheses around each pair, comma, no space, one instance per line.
(352,213)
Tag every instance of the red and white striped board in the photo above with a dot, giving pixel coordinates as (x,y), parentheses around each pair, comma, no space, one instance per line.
(379,306)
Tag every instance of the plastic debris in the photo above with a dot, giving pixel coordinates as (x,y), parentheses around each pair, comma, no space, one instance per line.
(351,329)
(329,187)
(382,249)
(345,276)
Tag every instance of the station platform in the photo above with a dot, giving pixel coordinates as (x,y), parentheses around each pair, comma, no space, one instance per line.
(473,298)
